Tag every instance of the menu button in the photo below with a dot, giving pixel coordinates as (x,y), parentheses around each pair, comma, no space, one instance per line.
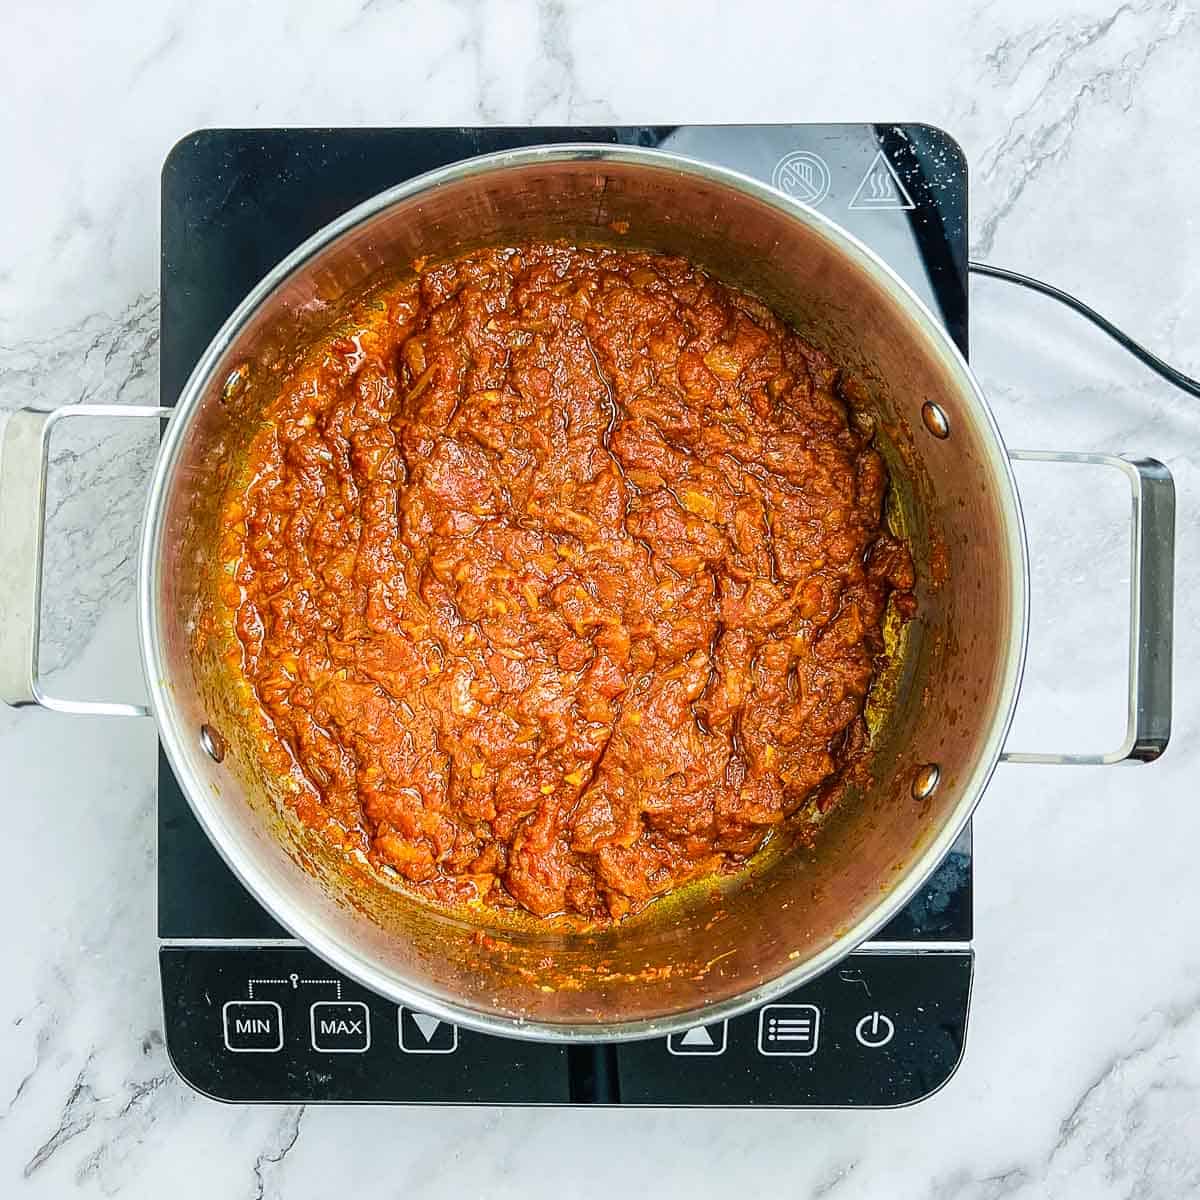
(789,1030)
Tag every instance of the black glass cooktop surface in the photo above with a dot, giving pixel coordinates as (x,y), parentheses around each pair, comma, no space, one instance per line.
(252,1015)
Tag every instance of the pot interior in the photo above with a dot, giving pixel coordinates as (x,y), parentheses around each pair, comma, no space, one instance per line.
(947,702)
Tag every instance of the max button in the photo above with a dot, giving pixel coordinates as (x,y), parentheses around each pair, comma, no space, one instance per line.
(340,1026)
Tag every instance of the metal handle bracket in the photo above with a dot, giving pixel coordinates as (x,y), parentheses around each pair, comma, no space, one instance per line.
(1151,609)
(24,455)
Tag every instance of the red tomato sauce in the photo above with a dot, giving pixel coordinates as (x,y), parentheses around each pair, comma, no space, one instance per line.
(561,579)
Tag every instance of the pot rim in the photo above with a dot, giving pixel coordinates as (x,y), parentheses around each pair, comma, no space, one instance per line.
(310,931)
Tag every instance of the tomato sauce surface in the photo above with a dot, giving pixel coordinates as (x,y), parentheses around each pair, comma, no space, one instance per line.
(560,577)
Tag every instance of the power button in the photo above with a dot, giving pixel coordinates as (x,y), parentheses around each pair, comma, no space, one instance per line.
(874,1030)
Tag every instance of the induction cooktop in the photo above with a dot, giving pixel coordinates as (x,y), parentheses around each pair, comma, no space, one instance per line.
(249,1013)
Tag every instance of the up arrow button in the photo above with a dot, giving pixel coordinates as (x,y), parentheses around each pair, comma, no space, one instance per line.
(700,1040)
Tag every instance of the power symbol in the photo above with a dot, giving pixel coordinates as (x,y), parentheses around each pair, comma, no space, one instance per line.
(874,1030)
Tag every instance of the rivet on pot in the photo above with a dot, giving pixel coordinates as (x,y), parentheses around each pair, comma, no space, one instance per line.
(935,419)
(925,781)
(212,743)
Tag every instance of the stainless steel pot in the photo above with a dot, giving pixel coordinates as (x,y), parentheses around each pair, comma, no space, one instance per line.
(712,952)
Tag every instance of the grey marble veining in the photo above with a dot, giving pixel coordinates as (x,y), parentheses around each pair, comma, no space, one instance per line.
(1081,121)
(96,484)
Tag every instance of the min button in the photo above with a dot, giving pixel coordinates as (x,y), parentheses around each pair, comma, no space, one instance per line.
(253,1026)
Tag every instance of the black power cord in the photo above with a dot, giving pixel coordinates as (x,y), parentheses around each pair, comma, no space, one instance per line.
(1156,364)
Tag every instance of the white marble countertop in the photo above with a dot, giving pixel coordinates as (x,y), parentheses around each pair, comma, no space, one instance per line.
(1081,121)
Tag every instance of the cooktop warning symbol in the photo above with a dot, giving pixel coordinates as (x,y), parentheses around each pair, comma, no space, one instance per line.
(803,175)
(421,1033)
(700,1039)
(881,187)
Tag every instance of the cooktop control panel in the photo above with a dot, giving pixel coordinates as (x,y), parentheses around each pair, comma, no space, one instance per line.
(275,1024)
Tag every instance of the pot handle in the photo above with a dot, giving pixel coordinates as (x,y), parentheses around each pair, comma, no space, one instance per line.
(1151,608)
(24,454)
